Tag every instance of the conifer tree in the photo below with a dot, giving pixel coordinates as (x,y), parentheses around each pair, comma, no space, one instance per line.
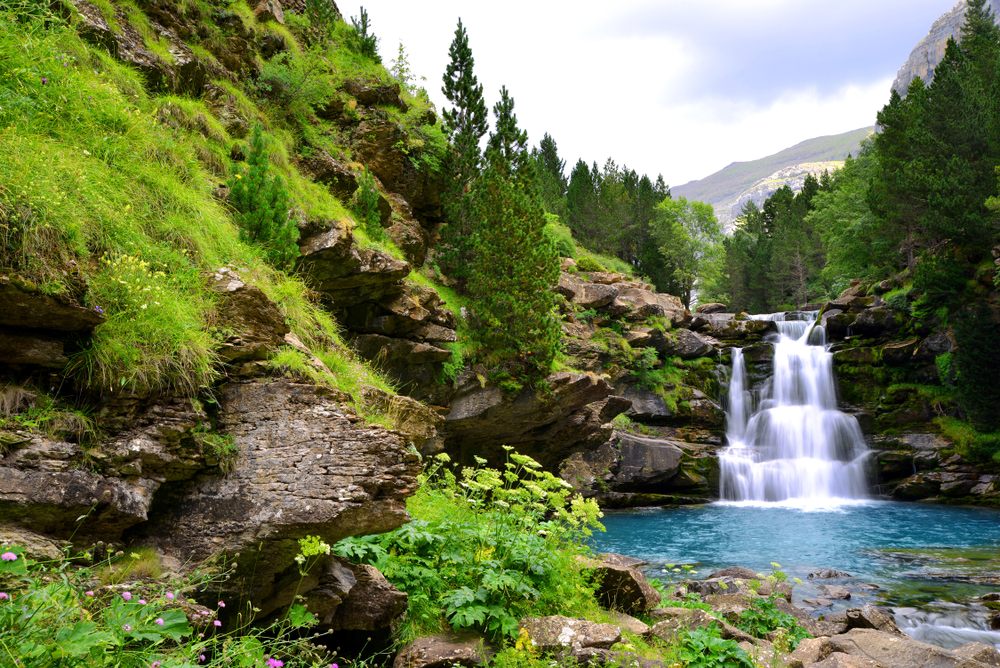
(508,144)
(466,125)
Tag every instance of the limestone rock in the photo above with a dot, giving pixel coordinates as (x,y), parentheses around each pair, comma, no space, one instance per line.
(917,487)
(551,634)
(304,467)
(623,587)
(594,295)
(642,300)
(36,546)
(371,604)
(22,305)
(269,10)
(900,352)
(810,651)
(897,652)
(682,343)
(258,327)
(592,656)
(629,623)
(870,617)
(834,592)
(711,308)
(646,463)
(372,92)
(980,652)
(840,660)
(467,650)
(340,179)
(877,321)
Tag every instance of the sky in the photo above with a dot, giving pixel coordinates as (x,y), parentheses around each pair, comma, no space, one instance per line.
(672,87)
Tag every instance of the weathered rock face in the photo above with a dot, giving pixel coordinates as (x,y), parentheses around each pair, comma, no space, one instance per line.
(551,634)
(304,466)
(482,419)
(467,650)
(258,327)
(675,620)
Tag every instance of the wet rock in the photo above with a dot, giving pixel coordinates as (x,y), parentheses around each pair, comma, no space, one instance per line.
(818,602)
(676,620)
(828,574)
(444,651)
(727,328)
(877,321)
(623,587)
(834,592)
(917,487)
(551,634)
(736,572)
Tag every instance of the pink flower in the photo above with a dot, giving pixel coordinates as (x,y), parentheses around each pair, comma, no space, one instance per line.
(333,665)
(142,602)
(217,623)
(127,596)
(201,657)
(4,596)
(222,604)
(170,595)
(274,663)
(201,635)
(155,664)
(88,593)
(8,556)
(126,627)
(159,621)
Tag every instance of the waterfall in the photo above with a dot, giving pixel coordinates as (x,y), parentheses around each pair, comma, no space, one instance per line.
(790,443)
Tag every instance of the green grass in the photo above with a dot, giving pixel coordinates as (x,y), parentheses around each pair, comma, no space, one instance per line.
(975,446)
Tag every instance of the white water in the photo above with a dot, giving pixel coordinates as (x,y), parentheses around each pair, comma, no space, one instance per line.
(788,443)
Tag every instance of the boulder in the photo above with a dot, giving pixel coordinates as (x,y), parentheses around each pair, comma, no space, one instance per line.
(840,660)
(828,574)
(810,651)
(899,352)
(676,620)
(648,407)
(727,328)
(551,634)
(646,463)
(980,652)
(898,652)
(331,263)
(623,587)
(834,592)
(641,297)
(936,344)
(682,343)
(22,305)
(594,295)
(591,656)
(736,572)
(870,617)
(917,487)
(256,324)
(711,308)
(371,604)
(444,651)
(269,10)
(629,623)
(372,92)
(877,321)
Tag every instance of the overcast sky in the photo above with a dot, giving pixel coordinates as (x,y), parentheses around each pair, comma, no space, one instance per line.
(681,88)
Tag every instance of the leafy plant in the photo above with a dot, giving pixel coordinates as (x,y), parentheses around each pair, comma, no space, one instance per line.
(705,648)
(763,617)
(588,264)
(365,205)
(487,547)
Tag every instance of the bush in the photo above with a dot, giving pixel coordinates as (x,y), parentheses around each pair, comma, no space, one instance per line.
(588,264)
(487,548)
(560,237)
(899,299)
(261,201)
(365,206)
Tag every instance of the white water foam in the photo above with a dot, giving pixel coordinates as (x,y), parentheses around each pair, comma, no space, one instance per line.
(789,444)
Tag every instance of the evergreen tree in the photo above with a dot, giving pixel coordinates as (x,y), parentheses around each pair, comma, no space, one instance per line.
(550,170)
(466,125)
(509,144)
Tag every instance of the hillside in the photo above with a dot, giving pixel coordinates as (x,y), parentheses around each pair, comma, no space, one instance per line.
(727,186)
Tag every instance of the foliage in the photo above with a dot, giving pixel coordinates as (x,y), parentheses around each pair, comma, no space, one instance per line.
(551,172)
(898,299)
(588,264)
(763,617)
(705,648)
(323,15)
(976,446)
(365,204)
(977,368)
(689,239)
(261,200)
(53,614)
(486,548)
(559,236)
(365,42)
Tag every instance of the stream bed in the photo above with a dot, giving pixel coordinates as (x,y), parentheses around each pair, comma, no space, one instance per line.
(927,563)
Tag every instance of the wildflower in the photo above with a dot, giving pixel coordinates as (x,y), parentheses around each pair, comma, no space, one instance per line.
(274,663)
(222,604)
(127,596)
(8,556)
(217,622)
(201,658)
(155,664)
(44,80)
(201,635)
(170,595)
(126,627)
(4,596)
(142,602)
(159,621)
(88,593)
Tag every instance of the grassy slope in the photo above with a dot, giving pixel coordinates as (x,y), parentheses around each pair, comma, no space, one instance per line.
(726,185)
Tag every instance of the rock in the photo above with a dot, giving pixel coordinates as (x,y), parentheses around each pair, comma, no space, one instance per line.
(629,623)
(877,321)
(870,617)
(736,572)
(980,652)
(644,300)
(371,604)
(828,628)
(467,650)
(623,588)
(676,620)
(601,657)
(339,179)
(567,263)
(372,92)
(23,306)
(18,347)
(917,487)
(936,344)
(36,546)
(711,308)
(546,427)
(269,10)
(682,343)
(646,463)
(839,660)
(648,407)
(257,325)
(604,278)
(810,651)
(725,327)
(838,323)
(303,467)
(594,295)
(899,352)
(818,602)
(551,634)
(834,592)
(898,652)
(828,574)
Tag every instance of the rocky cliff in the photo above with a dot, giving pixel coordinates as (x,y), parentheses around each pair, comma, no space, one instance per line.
(794,177)
(929,52)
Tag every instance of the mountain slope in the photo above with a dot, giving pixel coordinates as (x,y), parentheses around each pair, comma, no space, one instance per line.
(725,188)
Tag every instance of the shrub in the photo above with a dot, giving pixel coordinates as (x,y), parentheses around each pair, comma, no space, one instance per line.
(486,548)
(560,237)
(588,264)
(705,648)
(261,201)
(365,42)
(899,299)
(365,206)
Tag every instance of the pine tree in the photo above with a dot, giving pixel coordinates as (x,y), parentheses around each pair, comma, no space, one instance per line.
(466,125)
(509,144)
(550,169)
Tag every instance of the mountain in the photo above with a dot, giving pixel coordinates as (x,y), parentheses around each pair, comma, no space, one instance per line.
(742,181)
(929,52)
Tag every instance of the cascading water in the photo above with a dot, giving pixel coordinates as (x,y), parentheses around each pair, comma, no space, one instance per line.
(789,443)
